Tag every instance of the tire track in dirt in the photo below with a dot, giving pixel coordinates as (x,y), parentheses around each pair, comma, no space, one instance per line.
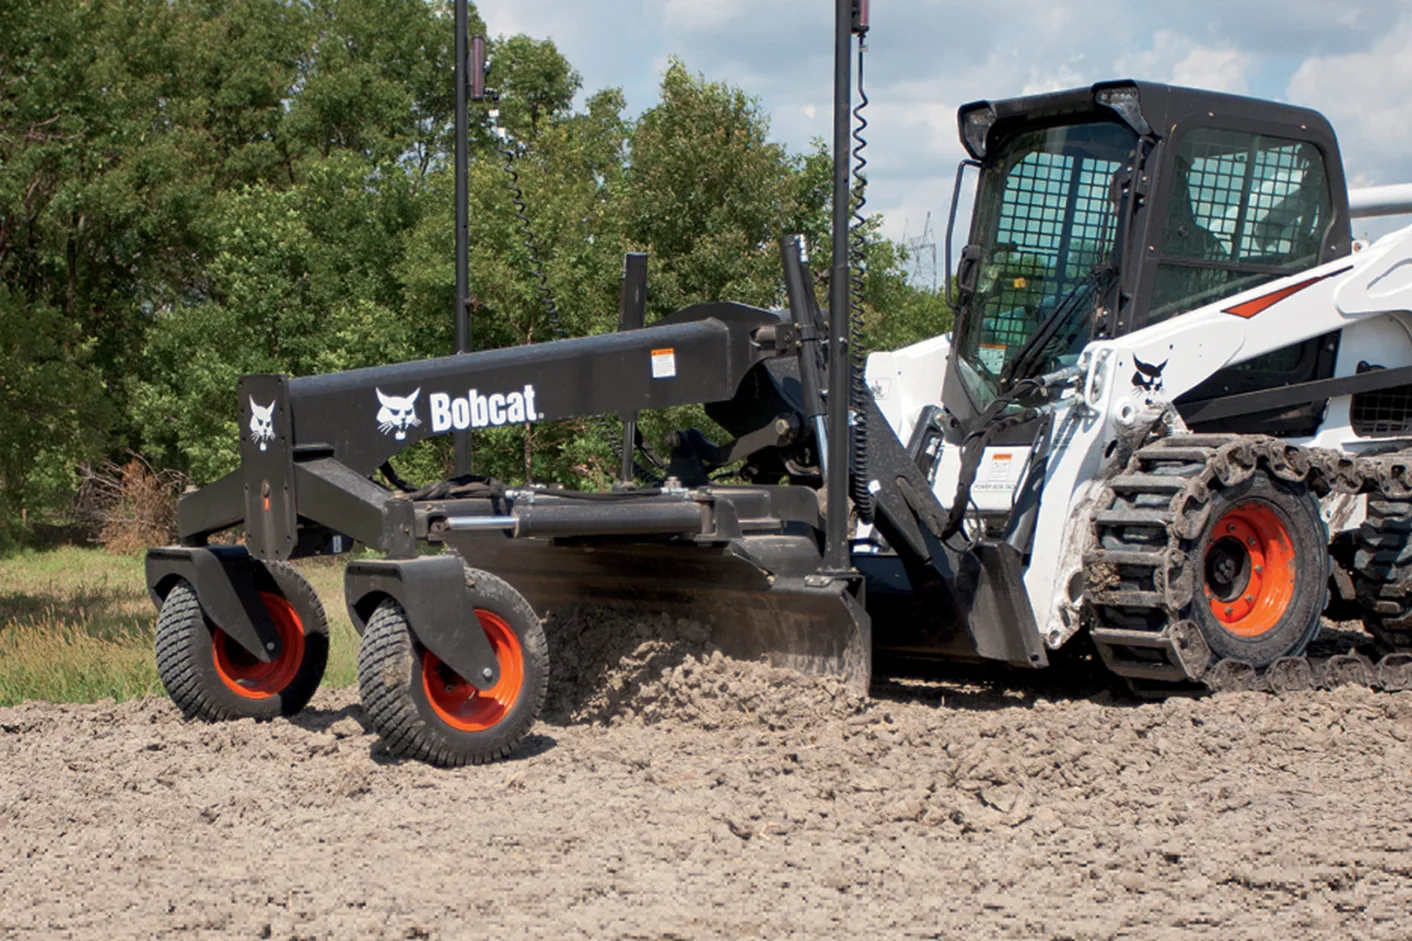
(695,797)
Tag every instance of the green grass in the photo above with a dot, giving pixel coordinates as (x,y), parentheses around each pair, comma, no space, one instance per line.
(76,626)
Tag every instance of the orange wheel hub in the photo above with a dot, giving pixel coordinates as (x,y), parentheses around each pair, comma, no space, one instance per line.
(1249,569)
(458,703)
(247,676)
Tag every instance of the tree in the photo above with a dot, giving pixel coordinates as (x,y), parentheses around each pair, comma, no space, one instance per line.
(193,190)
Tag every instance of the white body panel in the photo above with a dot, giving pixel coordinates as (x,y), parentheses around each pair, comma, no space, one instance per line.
(1367,295)
(906,381)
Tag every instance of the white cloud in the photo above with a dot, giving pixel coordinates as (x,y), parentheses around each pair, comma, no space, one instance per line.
(702,14)
(1367,95)
(929,56)
(1179,59)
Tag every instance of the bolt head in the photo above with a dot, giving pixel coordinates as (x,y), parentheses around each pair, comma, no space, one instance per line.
(270,645)
(487,673)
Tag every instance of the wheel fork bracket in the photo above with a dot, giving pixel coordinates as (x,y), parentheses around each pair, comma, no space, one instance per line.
(434,591)
(223,578)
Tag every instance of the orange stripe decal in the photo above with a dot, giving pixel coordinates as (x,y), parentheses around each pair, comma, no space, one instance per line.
(1249,309)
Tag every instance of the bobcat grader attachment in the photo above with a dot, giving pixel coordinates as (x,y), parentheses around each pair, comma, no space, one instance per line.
(1172,423)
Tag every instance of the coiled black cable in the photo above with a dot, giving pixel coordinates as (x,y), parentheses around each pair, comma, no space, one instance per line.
(555,323)
(517,198)
(857,249)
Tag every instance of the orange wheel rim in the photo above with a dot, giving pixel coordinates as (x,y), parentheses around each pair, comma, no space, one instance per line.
(245,675)
(457,702)
(1249,570)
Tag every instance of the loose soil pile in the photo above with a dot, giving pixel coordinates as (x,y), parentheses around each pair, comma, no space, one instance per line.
(675,794)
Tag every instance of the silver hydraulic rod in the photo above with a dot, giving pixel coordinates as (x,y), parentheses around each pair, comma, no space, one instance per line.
(594,518)
(481,524)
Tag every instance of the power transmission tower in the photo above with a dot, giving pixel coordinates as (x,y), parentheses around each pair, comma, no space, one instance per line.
(921,256)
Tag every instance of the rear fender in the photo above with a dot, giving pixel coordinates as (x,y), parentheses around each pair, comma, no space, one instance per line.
(434,591)
(223,578)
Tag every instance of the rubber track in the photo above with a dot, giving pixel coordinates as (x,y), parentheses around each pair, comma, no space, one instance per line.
(1140,580)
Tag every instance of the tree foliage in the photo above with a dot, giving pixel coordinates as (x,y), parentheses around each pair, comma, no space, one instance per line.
(191,190)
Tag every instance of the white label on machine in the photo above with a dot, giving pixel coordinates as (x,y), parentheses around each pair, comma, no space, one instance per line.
(992,357)
(1000,469)
(664,364)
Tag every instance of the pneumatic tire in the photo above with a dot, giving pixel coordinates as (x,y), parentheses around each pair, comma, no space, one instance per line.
(1262,571)
(425,711)
(209,676)
(1382,573)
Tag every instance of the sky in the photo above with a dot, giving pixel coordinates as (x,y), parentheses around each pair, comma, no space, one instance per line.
(1350,59)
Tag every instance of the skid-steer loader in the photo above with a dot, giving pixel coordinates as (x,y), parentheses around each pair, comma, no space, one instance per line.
(1170,422)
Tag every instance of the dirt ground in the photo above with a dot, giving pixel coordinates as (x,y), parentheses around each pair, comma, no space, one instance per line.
(668,796)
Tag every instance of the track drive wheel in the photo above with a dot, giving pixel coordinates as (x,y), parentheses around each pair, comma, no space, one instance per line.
(1262,569)
(210,676)
(424,710)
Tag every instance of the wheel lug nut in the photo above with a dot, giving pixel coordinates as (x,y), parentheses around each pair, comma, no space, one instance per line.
(1230,527)
(1259,569)
(449,687)
(1249,599)
(1250,541)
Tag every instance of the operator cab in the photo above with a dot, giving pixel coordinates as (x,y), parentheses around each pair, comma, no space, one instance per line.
(1102,210)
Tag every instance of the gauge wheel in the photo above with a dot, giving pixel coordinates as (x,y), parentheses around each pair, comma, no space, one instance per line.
(1262,571)
(210,676)
(425,710)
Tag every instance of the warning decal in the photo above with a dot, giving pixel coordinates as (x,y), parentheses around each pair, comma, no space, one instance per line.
(664,364)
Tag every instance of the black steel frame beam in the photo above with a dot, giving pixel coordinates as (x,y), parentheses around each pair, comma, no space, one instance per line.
(697,355)
(335,496)
(1296,393)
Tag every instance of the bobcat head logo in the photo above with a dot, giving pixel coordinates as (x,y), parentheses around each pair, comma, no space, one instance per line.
(1147,376)
(398,413)
(262,423)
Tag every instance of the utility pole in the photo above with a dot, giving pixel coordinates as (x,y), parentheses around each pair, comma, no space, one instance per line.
(462,160)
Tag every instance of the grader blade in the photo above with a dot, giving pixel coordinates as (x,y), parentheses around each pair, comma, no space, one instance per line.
(809,624)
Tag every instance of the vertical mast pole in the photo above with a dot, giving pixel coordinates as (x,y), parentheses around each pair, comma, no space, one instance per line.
(462,157)
(836,555)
